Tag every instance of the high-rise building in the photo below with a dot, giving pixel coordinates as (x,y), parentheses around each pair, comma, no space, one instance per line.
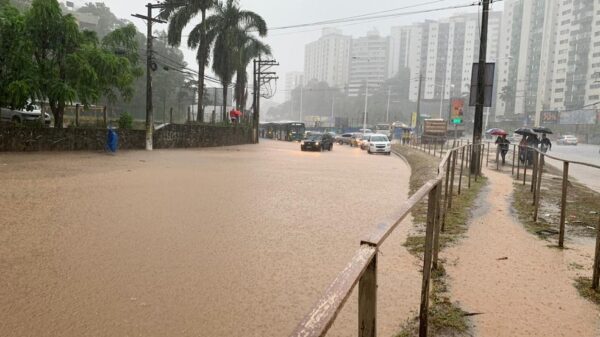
(527,43)
(576,67)
(293,80)
(326,60)
(368,62)
(442,52)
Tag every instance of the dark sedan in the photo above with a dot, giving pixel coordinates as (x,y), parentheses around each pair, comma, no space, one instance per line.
(317,142)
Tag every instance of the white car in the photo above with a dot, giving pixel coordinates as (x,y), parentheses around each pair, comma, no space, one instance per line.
(567,140)
(379,143)
(23,116)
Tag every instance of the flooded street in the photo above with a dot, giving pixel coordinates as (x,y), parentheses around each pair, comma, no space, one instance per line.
(237,241)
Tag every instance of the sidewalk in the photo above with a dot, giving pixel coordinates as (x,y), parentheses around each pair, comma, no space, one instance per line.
(520,286)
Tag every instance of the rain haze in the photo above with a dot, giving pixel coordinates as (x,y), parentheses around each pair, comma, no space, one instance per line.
(385,168)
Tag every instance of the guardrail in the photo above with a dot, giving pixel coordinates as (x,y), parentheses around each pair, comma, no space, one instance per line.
(362,268)
(537,169)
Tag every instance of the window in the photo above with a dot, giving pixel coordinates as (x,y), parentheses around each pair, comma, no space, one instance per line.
(559,90)
(594,97)
(558,100)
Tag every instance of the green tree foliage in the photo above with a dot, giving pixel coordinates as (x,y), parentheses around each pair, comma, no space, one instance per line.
(232,26)
(180,13)
(17,71)
(107,21)
(67,65)
(249,48)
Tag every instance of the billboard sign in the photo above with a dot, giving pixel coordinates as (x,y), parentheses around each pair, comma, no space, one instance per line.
(413,123)
(488,84)
(457,110)
(578,117)
(550,117)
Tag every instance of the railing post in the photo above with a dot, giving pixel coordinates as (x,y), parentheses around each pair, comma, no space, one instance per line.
(446,182)
(563,205)
(538,187)
(77,114)
(481,157)
(462,162)
(454,155)
(442,150)
(427,259)
(525,167)
(367,301)
(434,148)
(513,161)
(596,273)
(487,160)
(469,155)
(437,228)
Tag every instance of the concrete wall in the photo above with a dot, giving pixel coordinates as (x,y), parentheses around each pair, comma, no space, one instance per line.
(90,139)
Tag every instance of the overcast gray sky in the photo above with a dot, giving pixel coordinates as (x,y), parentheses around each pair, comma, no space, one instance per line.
(288,45)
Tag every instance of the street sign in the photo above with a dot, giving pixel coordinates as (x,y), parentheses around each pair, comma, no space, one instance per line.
(457,121)
(413,122)
(488,84)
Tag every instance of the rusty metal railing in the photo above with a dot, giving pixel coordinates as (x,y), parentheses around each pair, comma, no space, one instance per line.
(362,268)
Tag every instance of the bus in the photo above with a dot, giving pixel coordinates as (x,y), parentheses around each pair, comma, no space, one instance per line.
(286,131)
(383,129)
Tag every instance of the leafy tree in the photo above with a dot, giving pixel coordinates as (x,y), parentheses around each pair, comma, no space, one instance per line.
(180,13)
(507,94)
(17,70)
(72,65)
(107,21)
(249,48)
(231,26)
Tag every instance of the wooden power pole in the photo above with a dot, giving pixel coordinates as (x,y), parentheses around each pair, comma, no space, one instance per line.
(478,123)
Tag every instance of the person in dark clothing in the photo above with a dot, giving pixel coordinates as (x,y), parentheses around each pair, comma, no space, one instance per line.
(545,143)
(503,145)
(532,142)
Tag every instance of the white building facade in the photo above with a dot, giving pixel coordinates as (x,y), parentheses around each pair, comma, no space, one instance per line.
(368,62)
(293,80)
(327,59)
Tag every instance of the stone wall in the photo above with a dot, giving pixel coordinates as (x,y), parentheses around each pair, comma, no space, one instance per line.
(22,138)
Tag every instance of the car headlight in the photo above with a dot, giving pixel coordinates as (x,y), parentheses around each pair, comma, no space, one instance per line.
(388,144)
(317,143)
(302,142)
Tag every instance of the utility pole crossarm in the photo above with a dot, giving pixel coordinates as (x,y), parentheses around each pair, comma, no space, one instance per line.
(143,17)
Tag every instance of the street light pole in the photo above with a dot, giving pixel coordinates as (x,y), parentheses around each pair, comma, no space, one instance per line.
(477,125)
(332,107)
(366,102)
(301,104)
(443,92)
(387,112)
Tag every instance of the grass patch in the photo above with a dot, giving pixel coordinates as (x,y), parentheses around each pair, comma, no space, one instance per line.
(584,287)
(445,317)
(581,201)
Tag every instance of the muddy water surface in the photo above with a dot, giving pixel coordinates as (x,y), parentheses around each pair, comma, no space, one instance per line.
(234,241)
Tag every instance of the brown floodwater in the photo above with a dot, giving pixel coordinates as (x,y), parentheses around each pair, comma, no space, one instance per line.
(237,241)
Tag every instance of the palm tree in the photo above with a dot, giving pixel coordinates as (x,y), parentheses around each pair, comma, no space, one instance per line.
(180,13)
(232,27)
(250,48)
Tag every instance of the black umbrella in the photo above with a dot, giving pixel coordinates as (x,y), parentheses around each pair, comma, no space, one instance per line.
(543,129)
(524,131)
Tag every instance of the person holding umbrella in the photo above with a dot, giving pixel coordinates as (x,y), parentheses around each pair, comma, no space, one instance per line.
(545,143)
(503,145)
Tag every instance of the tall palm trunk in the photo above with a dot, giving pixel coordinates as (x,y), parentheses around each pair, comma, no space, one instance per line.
(225,112)
(201,65)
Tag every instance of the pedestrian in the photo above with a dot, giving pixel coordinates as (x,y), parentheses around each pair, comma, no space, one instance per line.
(545,143)
(532,143)
(232,116)
(503,145)
(523,149)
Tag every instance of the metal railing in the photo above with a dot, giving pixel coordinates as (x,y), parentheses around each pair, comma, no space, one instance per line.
(362,268)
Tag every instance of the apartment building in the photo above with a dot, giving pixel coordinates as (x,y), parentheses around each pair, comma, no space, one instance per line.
(368,62)
(293,80)
(327,59)
(576,70)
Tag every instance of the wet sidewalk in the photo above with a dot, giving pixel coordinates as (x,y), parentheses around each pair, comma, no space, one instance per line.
(517,284)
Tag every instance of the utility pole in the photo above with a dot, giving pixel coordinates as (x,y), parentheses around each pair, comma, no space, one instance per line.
(332,107)
(149,69)
(387,112)
(366,105)
(478,123)
(417,124)
(301,103)
(261,76)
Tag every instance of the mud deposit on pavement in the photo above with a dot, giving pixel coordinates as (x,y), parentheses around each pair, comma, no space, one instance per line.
(234,241)
(520,286)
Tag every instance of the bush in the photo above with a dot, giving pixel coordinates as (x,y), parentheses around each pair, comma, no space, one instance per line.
(125,121)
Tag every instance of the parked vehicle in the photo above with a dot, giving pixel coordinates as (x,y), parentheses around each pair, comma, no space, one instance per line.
(567,140)
(344,138)
(365,131)
(32,114)
(317,142)
(379,143)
